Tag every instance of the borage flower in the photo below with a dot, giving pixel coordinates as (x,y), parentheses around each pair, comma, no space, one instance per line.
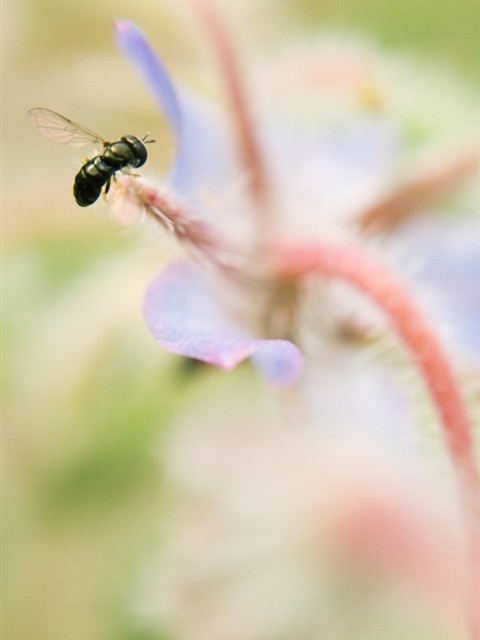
(228,204)
(229,201)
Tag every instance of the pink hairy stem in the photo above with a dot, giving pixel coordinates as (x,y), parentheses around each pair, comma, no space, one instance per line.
(249,146)
(351,265)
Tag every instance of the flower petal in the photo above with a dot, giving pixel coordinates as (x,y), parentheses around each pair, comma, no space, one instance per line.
(134,44)
(204,158)
(279,360)
(185,318)
(444,257)
(360,154)
(207,164)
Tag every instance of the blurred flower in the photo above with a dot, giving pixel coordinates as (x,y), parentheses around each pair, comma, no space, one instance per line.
(272,209)
(227,207)
(279,535)
(181,308)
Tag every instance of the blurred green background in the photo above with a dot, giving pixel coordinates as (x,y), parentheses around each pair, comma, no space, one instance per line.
(87,396)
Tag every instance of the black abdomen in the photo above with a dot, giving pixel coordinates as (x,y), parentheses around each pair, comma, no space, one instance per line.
(90,180)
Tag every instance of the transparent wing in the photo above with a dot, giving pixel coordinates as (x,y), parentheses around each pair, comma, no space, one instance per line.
(62,130)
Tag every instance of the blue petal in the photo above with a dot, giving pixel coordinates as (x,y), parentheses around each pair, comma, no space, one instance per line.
(360,155)
(444,256)
(207,163)
(134,44)
(185,318)
(204,159)
(279,360)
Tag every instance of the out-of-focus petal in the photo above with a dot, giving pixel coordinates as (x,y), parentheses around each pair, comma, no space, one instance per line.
(444,259)
(184,316)
(208,163)
(279,360)
(343,171)
(134,44)
(204,159)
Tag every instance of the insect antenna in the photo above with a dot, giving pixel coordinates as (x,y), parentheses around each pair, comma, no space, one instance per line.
(145,138)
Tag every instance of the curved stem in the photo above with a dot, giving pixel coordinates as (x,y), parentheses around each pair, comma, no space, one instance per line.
(373,280)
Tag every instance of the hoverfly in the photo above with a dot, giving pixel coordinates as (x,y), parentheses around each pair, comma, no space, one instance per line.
(97,173)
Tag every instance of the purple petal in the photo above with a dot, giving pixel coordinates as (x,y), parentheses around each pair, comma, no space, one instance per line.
(184,316)
(444,259)
(208,162)
(204,159)
(278,360)
(360,154)
(134,44)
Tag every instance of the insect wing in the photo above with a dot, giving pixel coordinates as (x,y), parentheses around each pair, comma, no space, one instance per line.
(62,130)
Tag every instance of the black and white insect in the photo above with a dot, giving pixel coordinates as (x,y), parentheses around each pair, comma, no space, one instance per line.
(97,173)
